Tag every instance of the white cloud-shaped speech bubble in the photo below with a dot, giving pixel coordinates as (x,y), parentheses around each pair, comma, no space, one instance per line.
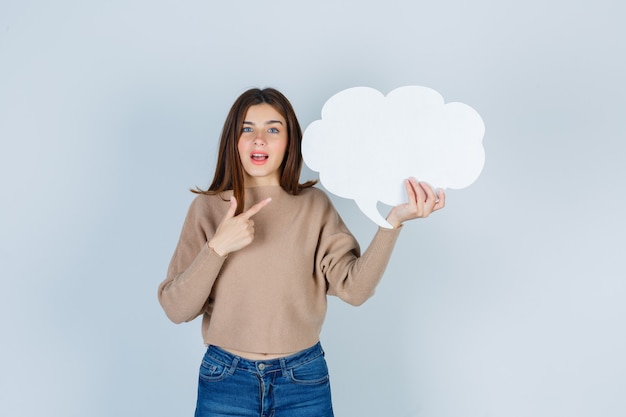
(366,145)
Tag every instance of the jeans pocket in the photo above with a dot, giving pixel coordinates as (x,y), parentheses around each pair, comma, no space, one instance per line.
(211,370)
(310,373)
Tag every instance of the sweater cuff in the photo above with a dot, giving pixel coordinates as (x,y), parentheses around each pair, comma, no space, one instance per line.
(212,252)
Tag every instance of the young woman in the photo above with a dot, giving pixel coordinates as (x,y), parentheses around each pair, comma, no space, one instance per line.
(257,256)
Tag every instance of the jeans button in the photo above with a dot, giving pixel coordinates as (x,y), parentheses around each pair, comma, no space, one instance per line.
(261,366)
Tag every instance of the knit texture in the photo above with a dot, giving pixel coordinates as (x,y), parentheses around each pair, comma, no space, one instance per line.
(270,297)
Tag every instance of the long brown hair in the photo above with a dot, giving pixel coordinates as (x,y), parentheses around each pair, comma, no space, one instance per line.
(229,171)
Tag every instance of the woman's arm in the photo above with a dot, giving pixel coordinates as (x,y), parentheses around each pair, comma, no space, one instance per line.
(353,277)
(193,268)
(196,263)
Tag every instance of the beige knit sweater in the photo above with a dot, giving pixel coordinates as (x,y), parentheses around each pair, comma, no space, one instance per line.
(270,297)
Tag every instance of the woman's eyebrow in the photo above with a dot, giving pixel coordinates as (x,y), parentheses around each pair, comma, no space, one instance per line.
(269,122)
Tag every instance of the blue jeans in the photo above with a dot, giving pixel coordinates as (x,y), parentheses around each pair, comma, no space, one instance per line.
(292,386)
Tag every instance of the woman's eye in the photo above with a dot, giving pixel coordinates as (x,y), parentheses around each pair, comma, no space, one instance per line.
(273,130)
(246,129)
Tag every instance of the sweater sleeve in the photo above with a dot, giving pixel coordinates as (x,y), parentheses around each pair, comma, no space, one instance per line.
(351,276)
(193,269)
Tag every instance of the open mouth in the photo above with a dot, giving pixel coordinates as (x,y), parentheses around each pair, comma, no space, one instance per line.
(259,158)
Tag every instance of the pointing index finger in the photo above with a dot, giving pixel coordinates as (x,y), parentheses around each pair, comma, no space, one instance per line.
(255,208)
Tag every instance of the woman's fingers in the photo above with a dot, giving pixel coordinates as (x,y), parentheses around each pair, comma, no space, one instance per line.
(432,201)
(232,208)
(419,191)
(423,197)
(255,208)
(431,198)
(441,200)
(410,192)
(421,202)
(235,232)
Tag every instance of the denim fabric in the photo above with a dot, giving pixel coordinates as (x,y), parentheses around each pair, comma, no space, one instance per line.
(292,386)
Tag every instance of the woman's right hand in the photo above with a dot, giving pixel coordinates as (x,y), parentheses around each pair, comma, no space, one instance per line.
(235,232)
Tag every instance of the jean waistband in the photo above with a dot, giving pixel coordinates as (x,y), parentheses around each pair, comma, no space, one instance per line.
(264,366)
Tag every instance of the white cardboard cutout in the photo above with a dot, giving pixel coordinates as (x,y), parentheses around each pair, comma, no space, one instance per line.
(366,145)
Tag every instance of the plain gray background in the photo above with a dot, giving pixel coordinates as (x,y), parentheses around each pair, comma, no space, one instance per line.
(508,303)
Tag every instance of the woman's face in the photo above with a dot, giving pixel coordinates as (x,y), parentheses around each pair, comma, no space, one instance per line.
(262,145)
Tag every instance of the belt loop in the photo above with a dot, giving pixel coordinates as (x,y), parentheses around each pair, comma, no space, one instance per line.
(283,366)
(233,366)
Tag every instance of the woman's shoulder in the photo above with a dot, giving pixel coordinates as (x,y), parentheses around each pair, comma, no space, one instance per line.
(209,202)
(316,199)
(315,194)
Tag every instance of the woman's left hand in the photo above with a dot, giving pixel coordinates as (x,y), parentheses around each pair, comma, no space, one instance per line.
(422,202)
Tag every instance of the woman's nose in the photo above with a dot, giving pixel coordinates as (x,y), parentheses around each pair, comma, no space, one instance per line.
(259,140)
